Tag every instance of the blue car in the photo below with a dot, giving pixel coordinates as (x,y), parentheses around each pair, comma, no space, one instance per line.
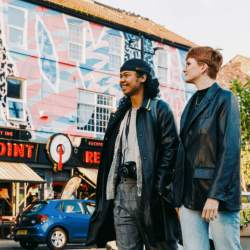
(54,222)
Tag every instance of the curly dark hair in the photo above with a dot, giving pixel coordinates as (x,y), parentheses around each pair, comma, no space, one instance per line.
(151,85)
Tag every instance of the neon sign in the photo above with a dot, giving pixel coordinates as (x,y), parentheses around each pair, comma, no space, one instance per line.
(16,150)
(91,157)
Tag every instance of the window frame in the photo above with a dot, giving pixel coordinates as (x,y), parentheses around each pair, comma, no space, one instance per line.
(95,105)
(20,100)
(164,67)
(120,51)
(82,45)
(74,203)
(24,29)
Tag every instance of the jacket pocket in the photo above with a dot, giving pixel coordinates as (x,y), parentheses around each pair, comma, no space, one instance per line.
(206,173)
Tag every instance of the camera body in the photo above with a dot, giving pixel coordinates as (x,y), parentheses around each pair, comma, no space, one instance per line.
(128,170)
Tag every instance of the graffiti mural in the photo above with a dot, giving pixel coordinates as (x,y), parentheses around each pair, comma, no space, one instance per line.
(47,55)
(59,56)
(7,70)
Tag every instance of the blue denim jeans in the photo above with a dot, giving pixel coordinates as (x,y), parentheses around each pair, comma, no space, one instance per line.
(225,230)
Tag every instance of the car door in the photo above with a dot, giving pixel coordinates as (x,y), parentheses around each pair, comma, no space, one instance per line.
(74,220)
(88,209)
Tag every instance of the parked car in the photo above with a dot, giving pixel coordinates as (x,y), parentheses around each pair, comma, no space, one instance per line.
(54,222)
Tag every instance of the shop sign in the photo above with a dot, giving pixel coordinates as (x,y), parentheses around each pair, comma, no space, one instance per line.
(88,154)
(91,157)
(18,151)
(14,134)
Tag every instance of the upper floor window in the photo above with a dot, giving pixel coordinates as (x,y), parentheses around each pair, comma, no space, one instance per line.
(15,98)
(76,41)
(17,18)
(93,111)
(115,49)
(162,65)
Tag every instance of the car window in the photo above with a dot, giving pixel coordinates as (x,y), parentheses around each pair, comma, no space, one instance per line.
(89,207)
(35,208)
(71,207)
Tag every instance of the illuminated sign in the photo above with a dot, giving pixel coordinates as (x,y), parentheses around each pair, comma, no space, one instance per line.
(18,151)
(18,134)
(91,157)
(89,152)
(4,133)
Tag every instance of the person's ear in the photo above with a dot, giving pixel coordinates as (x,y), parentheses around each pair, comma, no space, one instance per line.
(143,78)
(204,67)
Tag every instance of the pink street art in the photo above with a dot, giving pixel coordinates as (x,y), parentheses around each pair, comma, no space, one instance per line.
(49,60)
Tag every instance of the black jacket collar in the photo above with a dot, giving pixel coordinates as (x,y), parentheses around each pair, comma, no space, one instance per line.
(204,103)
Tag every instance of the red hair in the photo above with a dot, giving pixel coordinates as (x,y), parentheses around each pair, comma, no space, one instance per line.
(209,56)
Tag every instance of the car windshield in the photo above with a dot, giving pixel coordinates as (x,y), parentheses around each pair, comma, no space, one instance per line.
(34,208)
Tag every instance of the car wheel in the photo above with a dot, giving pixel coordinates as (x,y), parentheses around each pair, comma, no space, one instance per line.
(29,245)
(57,239)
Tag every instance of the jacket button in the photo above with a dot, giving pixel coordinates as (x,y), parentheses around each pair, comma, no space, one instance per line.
(140,135)
(144,158)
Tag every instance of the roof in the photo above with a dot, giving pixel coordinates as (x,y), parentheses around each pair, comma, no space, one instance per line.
(19,172)
(100,12)
(237,68)
(244,63)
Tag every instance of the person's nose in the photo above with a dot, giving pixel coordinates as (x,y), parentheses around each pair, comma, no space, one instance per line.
(122,79)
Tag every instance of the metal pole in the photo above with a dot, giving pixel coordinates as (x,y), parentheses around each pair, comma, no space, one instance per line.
(142,47)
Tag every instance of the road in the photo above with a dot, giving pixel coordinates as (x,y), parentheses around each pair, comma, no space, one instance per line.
(12,245)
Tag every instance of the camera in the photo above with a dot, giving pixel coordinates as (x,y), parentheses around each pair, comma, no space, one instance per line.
(128,170)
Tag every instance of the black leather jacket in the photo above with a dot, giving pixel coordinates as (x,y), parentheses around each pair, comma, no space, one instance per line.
(211,142)
(158,151)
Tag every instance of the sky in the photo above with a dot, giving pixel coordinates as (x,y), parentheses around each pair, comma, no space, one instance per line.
(222,24)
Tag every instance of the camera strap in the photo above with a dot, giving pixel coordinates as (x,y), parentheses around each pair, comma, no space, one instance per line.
(124,147)
(128,124)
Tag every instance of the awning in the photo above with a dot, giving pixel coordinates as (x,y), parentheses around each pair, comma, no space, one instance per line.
(89,174)
(71,186)
(18,172)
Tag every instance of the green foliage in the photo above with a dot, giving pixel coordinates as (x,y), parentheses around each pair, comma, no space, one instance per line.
(243,94)
(242,91)
(244,216)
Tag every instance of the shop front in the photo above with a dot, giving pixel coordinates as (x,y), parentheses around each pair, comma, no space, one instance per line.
(30,170)
(19,186)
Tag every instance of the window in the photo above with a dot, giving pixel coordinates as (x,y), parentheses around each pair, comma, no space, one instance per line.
(76,41)
(17,26)
(35,208)
(162,65)
(72,207)
(114,52)
(15,98)
(89,207)
(93,111)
